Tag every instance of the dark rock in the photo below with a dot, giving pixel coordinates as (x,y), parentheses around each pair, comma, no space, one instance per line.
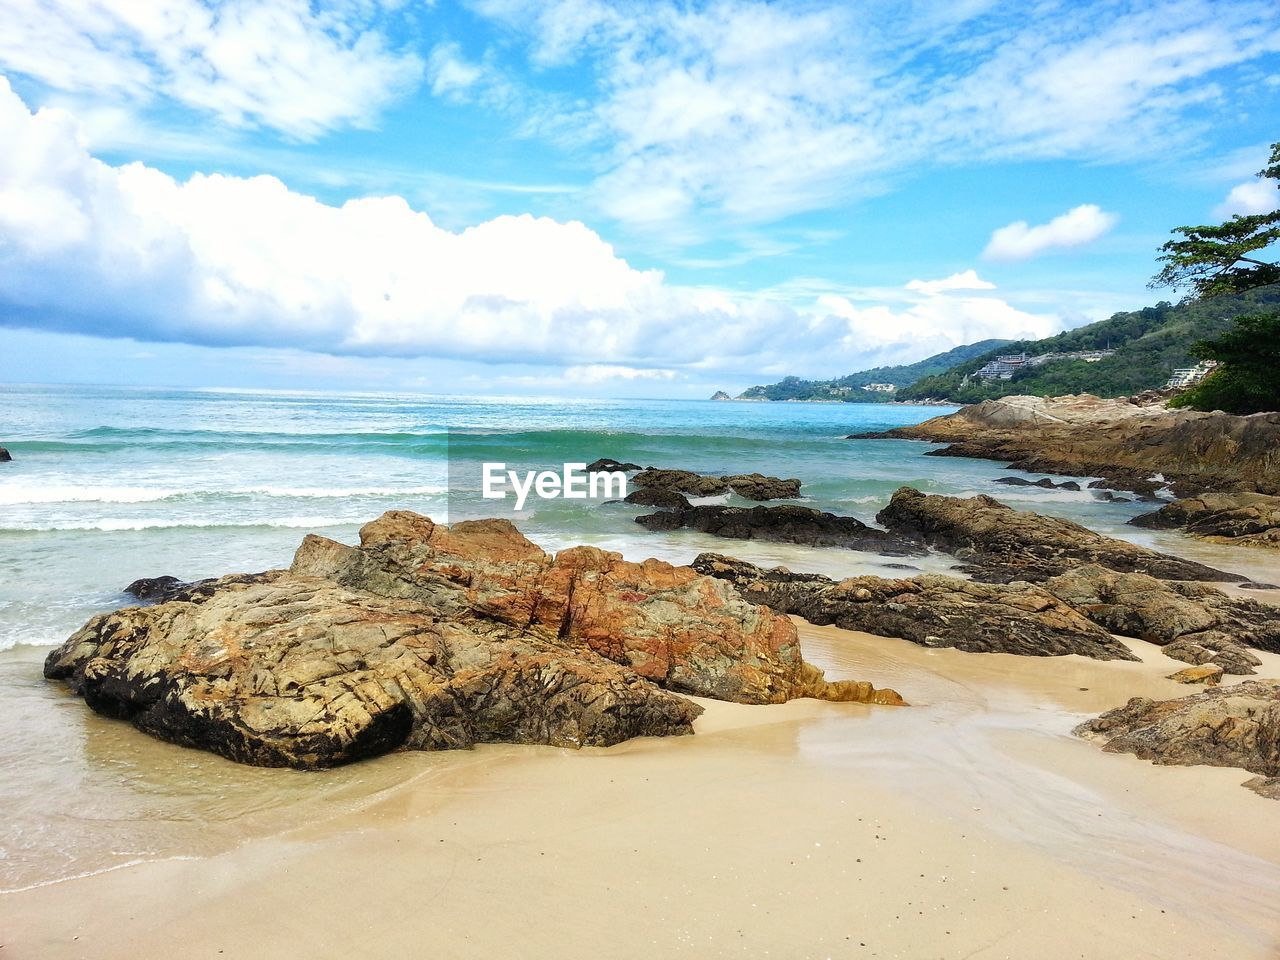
(750,486)
(931,610)
(1226,726)
(605,465)
(784,524)
(1044,482)
(1106,496)
(659,497)
(161,589)
(1242,518)
(998,544)
(720,395)
(429,637)
(1252,585)
(4,455)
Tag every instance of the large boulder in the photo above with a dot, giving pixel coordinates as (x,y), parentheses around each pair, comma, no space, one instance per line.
(1126,440)
(1194,622)
(1241,518)
(783,524)
(430,637)
(931,610)
(1224,726)
(4,455)
(998,544)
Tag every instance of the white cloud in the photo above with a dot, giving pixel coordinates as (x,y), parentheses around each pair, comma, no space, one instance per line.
(272,63)
(130,252)
(1077,227)
(1249,198)
(965,280)
(747,111)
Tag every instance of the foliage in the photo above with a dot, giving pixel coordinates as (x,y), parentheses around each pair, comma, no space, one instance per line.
(795,388)
(1227,258)
(1149,345)
(1248,378)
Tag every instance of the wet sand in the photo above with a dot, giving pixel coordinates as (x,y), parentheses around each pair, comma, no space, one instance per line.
(970,824)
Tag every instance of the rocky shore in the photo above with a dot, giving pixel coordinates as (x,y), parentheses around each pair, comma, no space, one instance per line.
(1127,442)
(430,637)
(1242,519)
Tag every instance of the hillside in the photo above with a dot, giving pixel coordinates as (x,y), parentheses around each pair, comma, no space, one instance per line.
(850,388)
(1149,345)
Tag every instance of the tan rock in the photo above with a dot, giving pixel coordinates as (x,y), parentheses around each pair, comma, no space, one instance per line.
(1209,673)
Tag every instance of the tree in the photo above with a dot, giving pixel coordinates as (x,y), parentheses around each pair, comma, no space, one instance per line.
(1247,378)
(1229,257)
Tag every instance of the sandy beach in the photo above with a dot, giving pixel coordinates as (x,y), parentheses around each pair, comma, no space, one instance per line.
(970,824)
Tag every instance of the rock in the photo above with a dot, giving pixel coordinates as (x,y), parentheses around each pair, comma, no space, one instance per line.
(1234,725)
(783,524)
(750,486)
(1254,585)
(5,457)
(160,589)
(1044,482)
(720,395)
(1209,674)
(1106,496)
(1194,622)
(931,610)
(659,497)
(1127,443)
(430,637)
(605,465)
(998,544)
(1242,518)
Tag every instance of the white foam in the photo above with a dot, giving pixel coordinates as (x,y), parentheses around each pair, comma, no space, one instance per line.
(18,494)
(119,524)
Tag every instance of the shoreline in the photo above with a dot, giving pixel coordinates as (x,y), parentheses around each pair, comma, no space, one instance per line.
(761,835)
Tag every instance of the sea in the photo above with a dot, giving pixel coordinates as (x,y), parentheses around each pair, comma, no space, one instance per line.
(109,484)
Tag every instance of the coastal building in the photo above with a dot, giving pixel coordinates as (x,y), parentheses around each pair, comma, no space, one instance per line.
(880,387)
(1002,368)
(1186,376)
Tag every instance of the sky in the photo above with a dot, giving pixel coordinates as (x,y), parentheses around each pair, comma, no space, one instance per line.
(600,198)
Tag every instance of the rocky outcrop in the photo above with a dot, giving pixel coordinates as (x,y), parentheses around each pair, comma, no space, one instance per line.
(430,637)
(783,524)
(160,589)
(5,457)
(1244,519)
(931,610)
(998,544)
(1209,674)
(1043,482)
(720,395)
(1194,622)
(1124,441)
(750,486)
(605,465)
(1224,726)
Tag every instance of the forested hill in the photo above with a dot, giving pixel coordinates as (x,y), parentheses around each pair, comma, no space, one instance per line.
(850,388)
(1149,345)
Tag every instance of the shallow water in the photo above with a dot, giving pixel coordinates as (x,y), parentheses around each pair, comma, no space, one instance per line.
(110,484)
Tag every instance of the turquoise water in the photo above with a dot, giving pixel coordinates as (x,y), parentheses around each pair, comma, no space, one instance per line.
(109,484)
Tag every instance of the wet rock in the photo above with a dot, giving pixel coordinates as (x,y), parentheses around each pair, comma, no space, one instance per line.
(931,610)
(750,486)
(1127,443)
(1242,518)
(1208,674)
(605,465)
(784,524)
(5,457)
(161,589)
(1235,725)
(1106,496)
(1194,622)
(1044,482)
(659,497)
(998,544)
(432,637)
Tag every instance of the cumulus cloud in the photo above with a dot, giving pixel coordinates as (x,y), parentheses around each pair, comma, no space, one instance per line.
(965,280)
(128,251)
(1077,227)
(1249,198)
(297,68)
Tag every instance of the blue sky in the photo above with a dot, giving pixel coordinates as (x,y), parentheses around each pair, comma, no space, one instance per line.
(592,197)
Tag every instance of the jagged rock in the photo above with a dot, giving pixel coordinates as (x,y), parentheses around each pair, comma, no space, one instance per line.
(1106,496)
(1245,519)
(605,465)
(160,589)
(659,497)
(430,637)
(931,610)
(1044,482)
(750,486)
(5,456)
(1194,622)
(1208,674)
(1234,725)
(998,544)
(1123,441)
(783,524)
